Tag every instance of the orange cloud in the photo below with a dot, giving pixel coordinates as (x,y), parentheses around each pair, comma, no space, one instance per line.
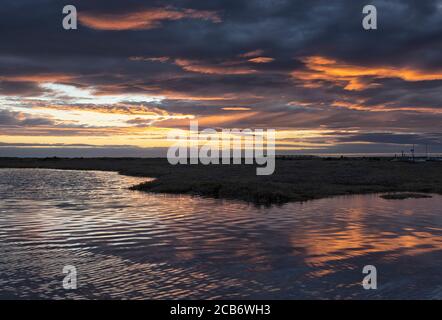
(223,68)
(213,121)
(115,109)
(359,105)
(236,109)
(352,76)
(39,77)
(145,19)
(176,95)
(261,60)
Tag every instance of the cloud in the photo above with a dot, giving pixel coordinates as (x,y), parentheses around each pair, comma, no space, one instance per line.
(394,138)
(227,120)
(354,77)
(145,19)
(19,88)
(151,59)
(123,109)
(225,68)
(261,60)
(9,118)
(236,108)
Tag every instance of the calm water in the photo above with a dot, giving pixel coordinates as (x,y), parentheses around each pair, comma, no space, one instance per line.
(127,244)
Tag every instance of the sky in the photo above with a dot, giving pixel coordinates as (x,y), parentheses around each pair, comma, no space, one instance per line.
(134,70)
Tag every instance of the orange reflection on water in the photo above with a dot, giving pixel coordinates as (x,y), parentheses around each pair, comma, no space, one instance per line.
(358,234)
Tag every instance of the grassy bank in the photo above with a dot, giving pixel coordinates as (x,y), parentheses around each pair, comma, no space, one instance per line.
(293,180)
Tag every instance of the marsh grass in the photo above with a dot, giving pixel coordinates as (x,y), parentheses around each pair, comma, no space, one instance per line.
(294,179)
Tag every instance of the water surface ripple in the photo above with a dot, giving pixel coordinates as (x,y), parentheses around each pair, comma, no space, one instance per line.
(132,245)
